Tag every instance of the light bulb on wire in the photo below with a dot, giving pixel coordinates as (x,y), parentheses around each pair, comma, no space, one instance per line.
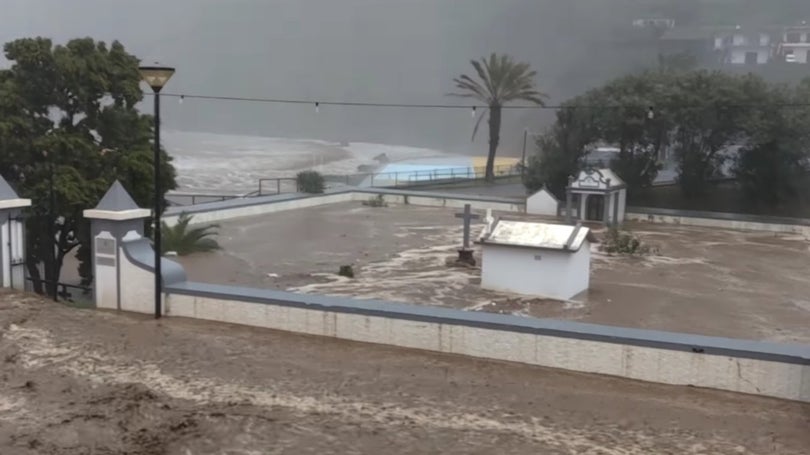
(651,113)
(472,113)
(180,101)
(317,107)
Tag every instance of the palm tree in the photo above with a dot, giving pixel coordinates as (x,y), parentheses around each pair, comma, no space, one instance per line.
(184,240)
(502,80)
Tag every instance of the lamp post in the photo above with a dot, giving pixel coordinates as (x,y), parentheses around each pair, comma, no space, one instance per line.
(526,134)
(51,234)
(157,77)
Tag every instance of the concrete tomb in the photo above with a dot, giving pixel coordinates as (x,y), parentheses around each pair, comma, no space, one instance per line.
(542,203)
(537,259)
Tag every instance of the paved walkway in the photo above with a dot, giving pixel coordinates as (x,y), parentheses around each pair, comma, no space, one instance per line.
(84,381)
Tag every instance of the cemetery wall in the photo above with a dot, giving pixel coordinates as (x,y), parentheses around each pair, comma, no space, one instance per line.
(237,208)
(720,220)
(759,368)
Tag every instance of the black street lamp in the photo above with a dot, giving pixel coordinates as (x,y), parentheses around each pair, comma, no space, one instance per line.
(51,234)
(157,77)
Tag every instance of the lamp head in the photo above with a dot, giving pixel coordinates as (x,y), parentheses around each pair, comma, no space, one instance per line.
(156,76)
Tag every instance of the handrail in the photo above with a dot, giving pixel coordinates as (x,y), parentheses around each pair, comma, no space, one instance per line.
(375,179)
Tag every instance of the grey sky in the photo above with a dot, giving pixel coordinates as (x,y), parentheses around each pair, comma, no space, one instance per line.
(366,50)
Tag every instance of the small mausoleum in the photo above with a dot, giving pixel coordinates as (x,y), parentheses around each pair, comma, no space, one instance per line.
(537,259)
(596,195)
(542,202)
(12,237)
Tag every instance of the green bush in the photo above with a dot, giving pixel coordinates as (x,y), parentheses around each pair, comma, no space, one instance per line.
(310,182)
(347,271)
(376,201)
(623,243)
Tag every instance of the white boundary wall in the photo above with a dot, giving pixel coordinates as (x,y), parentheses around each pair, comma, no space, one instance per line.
(739,225)
(221,213)
(745,375)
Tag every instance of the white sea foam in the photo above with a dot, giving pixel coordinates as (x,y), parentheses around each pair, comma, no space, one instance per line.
(231,163)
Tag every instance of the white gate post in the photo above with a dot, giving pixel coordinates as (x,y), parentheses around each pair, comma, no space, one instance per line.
(115,216)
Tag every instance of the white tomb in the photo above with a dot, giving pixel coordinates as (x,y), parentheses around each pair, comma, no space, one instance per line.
(537,259)
(542,203)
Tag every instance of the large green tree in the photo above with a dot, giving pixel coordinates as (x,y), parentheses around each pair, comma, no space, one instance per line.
(707,120)
(69,127)
(500,80)
(560,150)
(618,114)
(773,163)
(707,109)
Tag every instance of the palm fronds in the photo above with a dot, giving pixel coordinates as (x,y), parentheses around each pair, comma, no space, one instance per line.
(185,240)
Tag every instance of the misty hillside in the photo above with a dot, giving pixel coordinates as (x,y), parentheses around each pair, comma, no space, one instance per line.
(371,50)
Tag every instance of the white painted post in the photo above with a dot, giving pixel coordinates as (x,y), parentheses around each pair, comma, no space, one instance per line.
(115,216)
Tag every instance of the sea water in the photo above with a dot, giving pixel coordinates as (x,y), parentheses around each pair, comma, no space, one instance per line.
(234,164)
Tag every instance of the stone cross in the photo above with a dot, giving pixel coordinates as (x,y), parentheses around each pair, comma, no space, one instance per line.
(467,216)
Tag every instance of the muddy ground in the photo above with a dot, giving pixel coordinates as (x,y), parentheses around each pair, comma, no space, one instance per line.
(92,382)
(701,280)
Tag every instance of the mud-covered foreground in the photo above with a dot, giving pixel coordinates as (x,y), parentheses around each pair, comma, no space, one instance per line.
(89,382)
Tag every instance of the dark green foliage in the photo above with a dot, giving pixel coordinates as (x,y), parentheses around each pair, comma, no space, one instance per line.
(698,116)
(310,182)
(623,243)
(772,165)
(347,271)
(185,240)
(376,201)
(500,80)
(69,111)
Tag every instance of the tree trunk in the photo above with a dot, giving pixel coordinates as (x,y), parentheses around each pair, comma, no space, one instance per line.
(41,253)
(494,138)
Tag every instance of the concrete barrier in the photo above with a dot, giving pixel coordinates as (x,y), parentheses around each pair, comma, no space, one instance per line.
(244,207)
(721,220)
(769,369)
(761,368)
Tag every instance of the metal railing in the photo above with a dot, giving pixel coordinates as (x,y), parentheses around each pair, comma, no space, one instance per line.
(425,176)
(173,197)
(278,184)
(281,185)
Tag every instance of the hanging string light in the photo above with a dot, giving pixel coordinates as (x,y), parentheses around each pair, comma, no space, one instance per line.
(180,100)
(651,113)
(474,109)
(472,113)
(317,107)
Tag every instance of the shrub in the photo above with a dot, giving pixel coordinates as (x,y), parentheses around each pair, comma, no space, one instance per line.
(376,201)
(347,271)
(623,243)
(310,182)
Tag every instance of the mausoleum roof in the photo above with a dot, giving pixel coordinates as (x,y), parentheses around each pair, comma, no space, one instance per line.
(529,234)
(597,179)
(6,192)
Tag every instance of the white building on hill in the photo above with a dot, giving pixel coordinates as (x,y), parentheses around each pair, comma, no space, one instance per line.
(537,259)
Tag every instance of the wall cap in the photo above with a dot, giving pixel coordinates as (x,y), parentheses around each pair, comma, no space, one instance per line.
(134,214)
(759,350)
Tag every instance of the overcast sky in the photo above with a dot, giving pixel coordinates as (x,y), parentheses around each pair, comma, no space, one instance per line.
(359,50)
